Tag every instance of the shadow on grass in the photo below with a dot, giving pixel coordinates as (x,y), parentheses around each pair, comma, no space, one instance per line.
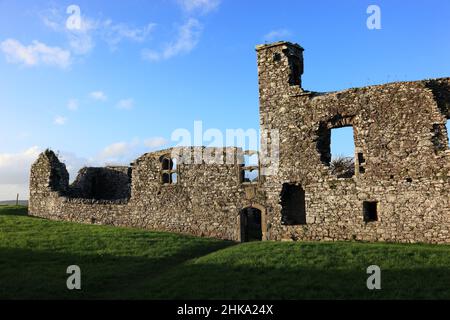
(37,274)
(28,274)
(9,210)
(220,282)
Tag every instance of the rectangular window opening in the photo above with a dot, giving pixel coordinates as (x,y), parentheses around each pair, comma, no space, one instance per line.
(370,211)
(342,152)
(293,205)
(249,169)
(250,176)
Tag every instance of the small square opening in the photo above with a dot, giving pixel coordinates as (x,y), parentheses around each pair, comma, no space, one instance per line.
(370,211)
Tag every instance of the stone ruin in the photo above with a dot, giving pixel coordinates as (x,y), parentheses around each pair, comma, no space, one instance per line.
(398,190)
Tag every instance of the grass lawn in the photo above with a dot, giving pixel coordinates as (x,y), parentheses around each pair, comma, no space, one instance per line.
(120,263)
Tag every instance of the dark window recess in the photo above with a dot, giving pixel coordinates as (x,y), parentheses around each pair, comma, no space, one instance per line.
(296,68)
(166,178)
(370,211)
(294,79)
(293,206)
(167,164)
(324,143)
(361,163)
(276,57)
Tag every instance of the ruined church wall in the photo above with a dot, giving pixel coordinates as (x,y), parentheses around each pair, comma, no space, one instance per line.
(205,201)
(401,154)
(406,170)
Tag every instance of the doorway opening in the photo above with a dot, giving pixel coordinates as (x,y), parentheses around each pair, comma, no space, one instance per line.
(251,226)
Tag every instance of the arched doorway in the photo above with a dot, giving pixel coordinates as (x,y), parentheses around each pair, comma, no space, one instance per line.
(251,224)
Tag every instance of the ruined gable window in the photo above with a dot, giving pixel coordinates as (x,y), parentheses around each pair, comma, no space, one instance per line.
(293,205)
(169,172)
(370,211)
(249,171)
(335,143)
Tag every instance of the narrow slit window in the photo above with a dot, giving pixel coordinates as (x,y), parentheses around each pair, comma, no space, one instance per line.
(447,126)
(361,163)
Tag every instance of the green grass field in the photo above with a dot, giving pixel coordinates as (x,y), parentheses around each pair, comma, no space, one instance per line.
(121,263)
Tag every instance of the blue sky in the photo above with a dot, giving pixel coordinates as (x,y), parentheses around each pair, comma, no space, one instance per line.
(138,70)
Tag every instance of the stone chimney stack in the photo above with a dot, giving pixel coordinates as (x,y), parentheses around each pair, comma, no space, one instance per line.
(280,66)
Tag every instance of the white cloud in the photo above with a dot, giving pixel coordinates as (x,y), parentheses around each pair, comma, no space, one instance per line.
(155,142)
(125,104)
(119,153)
(15,171)
(98,95)
(72,104)
(15,167)
(82,40)
(124,152)
(60,120)
(115,150)
(279,34)
(202,6)
(113,34)
(187,40)
(35,54)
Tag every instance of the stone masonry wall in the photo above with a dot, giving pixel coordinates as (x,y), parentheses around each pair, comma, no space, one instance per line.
(399,191)
(399,132)
(205,200)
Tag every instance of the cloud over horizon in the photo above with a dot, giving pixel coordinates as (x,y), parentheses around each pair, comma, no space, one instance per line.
(15,167)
